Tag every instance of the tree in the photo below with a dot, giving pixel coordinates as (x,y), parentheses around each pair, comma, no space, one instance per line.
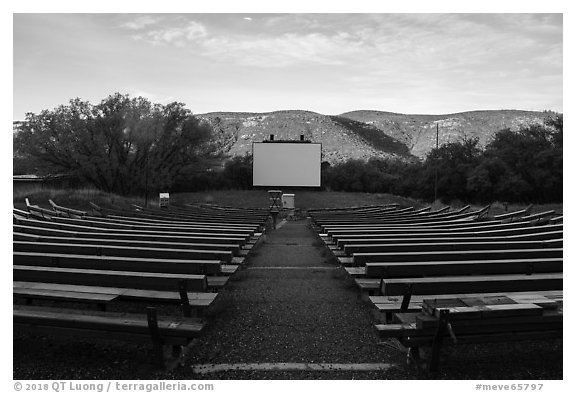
(238,172)
(117,145)
(451,162)
(531,159)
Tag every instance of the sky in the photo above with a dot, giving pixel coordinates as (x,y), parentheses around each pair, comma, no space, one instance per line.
(417,63)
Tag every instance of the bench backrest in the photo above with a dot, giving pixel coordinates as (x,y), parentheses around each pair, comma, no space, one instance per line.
(157,222)
(152,227)
(54,231)
(471,284)
(454,246)
(157,232)
(545,235)
(456,228)
(363,258)
(125,243)
(117,263)
(451,234)
(87,249)
(110,278)
(420,269)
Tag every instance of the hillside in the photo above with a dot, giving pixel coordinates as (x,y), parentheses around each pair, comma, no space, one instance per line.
(418,132)
(235,132)
(362,134)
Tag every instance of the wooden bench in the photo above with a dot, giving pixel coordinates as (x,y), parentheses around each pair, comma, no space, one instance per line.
(191,302)
(161,331)
(477,319)
(40,212)
(442,268)
(412,220)
(452,246)
(408,287)
(557,220)
(516,214)
(152,232)
(422,230)
(206,216)
(59,294)
(407,226)
(19,214)
(416,236)
(185,224)
(63,247)
(104,262)
(544,234)
(470,284)
(110,278)
(361,259)
(368,278)
(177,220)
(73,213)
(96,240)
(386,305)
(538,217)
(109,224)
(59,230)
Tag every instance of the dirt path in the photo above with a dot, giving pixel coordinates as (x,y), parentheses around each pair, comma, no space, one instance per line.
(290,305)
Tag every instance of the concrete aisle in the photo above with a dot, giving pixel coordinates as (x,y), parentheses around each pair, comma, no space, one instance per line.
(291,305)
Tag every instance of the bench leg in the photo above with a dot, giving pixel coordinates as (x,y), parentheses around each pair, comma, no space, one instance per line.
(437,343)
(413,356)
(406,299)
(418,357)
(183,290)
(158,348)
(389,317)
(176,351)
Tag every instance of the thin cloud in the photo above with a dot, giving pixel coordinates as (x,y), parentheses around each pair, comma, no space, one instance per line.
(285,50)
(178,36)
(446,41)
(139,23)
(154,98)
(259,50)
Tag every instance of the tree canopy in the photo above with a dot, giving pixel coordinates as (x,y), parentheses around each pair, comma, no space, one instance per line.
(120,145)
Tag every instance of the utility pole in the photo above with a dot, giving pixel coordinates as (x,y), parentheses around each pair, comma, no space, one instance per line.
(436,168)
(146,181)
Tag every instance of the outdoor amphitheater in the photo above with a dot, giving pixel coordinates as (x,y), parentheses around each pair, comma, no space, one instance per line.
(206,291)
(288,197)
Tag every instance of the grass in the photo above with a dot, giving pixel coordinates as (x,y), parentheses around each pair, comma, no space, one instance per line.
(73,198)
(79,198)
(497,208)
(304,200)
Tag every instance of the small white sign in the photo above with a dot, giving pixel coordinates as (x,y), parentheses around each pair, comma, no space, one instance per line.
(164,199)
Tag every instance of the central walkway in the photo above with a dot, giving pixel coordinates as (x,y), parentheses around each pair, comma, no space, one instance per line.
(290,305)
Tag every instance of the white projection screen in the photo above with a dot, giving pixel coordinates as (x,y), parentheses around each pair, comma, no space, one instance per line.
(282,164)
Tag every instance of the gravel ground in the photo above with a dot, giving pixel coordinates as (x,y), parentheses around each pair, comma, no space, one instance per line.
(291,315)
(282,315)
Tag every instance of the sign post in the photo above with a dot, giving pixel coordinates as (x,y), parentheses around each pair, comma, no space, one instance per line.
(275,205)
